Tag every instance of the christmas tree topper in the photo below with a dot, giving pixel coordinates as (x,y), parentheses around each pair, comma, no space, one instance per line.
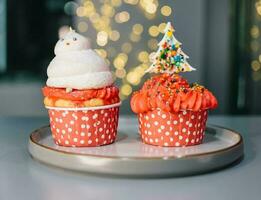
(169,58)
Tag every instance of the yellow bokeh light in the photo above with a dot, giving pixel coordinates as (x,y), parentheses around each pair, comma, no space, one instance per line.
(162,27)
(120,61)
(166,11)
(107,10)
(258,7)
(120,73)
(132,2)
(89,8)
(82,27)
(126,47)
(94,17)
(116,3)
(126,89)
(123,56)
(114,35)
(255,65)
(153,44)
(101,43)
(137,29)
(140,71)
(151,8)
(102,38)
(122,17)
(102,24)
(154,31)
(150,16)
(144,66)
(101,52)
(133,78)
(143,57)
(134,37)
(81,11)
(254,31)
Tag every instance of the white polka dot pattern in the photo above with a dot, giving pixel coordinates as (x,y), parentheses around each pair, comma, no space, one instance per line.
(160,128)
(84,128)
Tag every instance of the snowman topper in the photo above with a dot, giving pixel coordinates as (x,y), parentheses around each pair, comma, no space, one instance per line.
(71,41)
(169,58)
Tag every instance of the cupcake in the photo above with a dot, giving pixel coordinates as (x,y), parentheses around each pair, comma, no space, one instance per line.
(82,102)
(171,112)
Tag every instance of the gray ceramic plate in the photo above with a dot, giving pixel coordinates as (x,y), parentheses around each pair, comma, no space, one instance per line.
(129,157)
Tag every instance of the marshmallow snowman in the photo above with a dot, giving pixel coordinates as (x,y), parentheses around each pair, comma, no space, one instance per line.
(76,66)
(71,41)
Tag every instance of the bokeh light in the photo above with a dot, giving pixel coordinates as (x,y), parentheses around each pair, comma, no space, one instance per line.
(143,57)
(114,35)
(102,38)
(120,73)
(154,31)
(82,27)
(126,89)
(120,61)
(166,10)
(255,65)
(107,10)
(254,31)
(122,17)
(137,29)
(132,2)
(116,3)
(258,7)
(162,27)
(133,78)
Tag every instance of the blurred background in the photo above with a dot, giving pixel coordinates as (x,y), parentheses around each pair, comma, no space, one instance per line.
(221,37)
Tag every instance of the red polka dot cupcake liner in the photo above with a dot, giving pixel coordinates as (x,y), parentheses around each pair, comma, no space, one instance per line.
(84,127)
(160,128)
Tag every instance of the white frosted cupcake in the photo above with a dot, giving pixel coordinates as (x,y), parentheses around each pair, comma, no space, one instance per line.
(82,101)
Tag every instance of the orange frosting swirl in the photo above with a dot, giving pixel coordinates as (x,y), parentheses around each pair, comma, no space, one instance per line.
(171,93)
(105,93)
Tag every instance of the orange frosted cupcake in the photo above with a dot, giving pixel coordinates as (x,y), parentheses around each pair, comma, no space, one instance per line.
(171,112)
(82,102)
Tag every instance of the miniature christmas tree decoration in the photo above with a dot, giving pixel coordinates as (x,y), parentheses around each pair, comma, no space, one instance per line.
(170,58)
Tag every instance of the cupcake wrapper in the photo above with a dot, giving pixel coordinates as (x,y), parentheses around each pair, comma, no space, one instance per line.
(160,128)
(84,128)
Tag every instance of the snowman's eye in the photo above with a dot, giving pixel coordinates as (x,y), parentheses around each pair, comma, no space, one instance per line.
(74,39)
(62,39)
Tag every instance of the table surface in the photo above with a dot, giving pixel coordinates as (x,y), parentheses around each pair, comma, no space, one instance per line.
(21,177)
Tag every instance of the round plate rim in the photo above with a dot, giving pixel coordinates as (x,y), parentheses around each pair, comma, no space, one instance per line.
(133,158)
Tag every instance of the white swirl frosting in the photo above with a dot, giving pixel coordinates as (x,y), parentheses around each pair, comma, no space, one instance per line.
(77,67)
